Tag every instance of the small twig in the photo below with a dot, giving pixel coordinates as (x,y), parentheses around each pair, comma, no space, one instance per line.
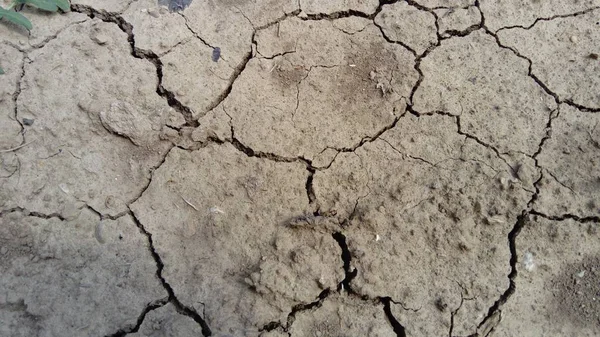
(18,147)
(189,203)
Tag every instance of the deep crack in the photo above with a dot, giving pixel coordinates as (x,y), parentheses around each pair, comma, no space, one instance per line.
(180,307)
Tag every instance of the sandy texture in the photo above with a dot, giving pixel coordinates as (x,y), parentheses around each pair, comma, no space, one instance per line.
(408,209)
(79,118)
(337,317)
(524,13)
(167,322)
(155,28)
(235,217)
(280,102)
(557,281)
(301,168)
(10,128)
(333,6)
(564,55)
(85,276)
(571,162)
(457,20)
(405,24)
(492,96)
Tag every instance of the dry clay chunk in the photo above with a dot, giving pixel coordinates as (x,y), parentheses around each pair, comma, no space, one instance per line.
(495,98)
(230,24)
(408,25)
(196,80)
(524,13)
(45,27)
(220,220)
(155,28)
(167,322)
(333,6)
(457,19)
(84,277)
(429,213)
(341,315)
(564,55)
(112,6)
(97,121)
(11,61)
(570,160)
(196,72)
(330,89)
(557,284)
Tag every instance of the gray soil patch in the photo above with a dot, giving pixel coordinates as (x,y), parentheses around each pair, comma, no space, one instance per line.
(577,292)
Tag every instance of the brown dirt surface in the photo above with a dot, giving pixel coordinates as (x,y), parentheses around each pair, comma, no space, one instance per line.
(301,168)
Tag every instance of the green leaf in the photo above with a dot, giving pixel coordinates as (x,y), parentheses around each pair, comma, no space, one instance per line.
(16,18)
(46,5)
(64,5)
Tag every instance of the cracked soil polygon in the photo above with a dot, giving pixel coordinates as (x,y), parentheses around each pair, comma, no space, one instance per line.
(236,214)
(428,213)
(403,23)
(564,55)
(342,315)
(81,277)
(497,101)
(95,137)
(327,89)
(167,322)
(155,28)
(570,160)
(558,278)
(300,168)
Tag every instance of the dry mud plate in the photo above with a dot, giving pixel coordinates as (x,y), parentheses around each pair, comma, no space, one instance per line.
(301,168)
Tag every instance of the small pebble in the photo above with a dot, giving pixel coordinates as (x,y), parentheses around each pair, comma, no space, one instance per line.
(153,12)
(574,39)
(101,39)
(3,250)
(27,121)
(216,54)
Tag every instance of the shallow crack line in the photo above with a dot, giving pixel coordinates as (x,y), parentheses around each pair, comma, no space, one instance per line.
(15,98)
(149,56)
(180,307)
(554,114)
(27,212)
(135,328)
(407,155)
(185,19)
(489,146)
(560,182)
(363,141)
(54,36)
(564,217)
(559,16)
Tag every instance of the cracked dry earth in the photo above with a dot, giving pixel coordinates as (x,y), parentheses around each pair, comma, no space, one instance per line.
(301,168)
